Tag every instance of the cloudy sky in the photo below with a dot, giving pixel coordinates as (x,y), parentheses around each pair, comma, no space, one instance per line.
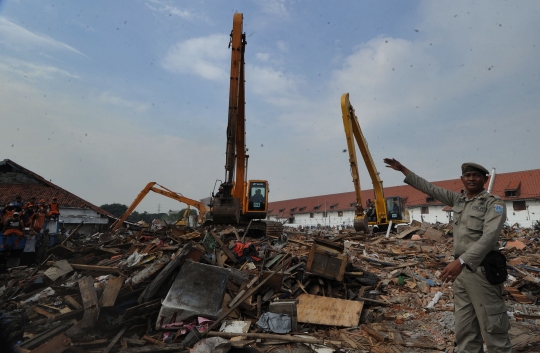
(102,97)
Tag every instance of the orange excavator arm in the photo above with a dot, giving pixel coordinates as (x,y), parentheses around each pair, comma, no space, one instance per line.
(163,191)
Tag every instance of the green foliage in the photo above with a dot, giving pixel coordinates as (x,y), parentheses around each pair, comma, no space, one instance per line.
(115,209)
(118,210)
(175,217)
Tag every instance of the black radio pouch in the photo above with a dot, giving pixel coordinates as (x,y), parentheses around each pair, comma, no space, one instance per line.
(495,266)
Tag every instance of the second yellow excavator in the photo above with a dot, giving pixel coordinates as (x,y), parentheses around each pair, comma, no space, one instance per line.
(383,212)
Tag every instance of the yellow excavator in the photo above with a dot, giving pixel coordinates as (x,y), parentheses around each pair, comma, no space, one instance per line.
(381,213)
(239,201)
(185,218)
(160,189)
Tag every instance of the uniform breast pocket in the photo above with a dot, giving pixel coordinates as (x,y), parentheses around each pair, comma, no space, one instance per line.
(456,214)
(475,222)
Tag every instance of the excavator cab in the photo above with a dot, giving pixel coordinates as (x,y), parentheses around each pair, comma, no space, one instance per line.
(395,207)
(257,196)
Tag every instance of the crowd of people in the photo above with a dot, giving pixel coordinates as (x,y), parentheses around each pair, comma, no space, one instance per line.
(24,232)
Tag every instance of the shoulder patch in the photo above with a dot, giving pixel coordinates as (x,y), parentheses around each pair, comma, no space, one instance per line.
(498,208)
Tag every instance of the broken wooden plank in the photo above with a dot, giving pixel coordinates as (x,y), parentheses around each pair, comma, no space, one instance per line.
(88,292)
(148,271)
(114,340)
(43,312)
(72,302)
(110,292)
(58,344)
(377,261)
(175,347)
(319,310)
(518,296)
(153,340)
(156,284)
(377,334)
(105,269)
(90,302)
(272,336)
(45,336)
(223,246)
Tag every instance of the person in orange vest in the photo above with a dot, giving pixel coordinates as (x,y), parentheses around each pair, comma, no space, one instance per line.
(54,209)
(38,219)
(13,225)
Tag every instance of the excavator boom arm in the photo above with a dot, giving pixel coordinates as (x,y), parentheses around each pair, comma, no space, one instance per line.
(163,191)
(353,131)
(235,163)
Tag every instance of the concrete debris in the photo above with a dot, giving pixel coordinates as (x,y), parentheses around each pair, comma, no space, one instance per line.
(216,289)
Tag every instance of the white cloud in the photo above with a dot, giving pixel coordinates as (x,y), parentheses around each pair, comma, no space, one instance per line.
(168,8)
(264,57)
(19,38)
(203,56)
(274,7)
(30,71)
(282,46)
(115,100)
(111,159)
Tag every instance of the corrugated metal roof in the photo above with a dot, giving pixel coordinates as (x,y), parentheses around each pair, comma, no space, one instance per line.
(40,188)
(529,189)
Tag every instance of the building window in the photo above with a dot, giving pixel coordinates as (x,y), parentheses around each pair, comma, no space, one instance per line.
(510,193)
(316,207)
(311,215)
(302,208)
(430,199)
(325,214)
(519,205)
(291,220)
(340,214)
(425,210)
(281,211)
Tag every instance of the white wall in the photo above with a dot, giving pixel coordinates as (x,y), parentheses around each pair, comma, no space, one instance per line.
(304,219)
(436,214)
(524,218)
(77,215)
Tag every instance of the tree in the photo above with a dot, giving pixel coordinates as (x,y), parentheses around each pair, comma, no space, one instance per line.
(115,209)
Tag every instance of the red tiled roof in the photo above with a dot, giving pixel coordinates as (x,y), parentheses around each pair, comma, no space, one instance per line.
(512,185)
(529,189)
(40,188)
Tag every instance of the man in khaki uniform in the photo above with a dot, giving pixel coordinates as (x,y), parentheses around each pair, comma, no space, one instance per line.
(480,310)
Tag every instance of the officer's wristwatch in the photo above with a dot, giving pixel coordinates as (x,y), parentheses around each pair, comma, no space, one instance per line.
(463,263)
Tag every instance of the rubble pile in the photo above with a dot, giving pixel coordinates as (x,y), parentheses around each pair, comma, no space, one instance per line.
(219,290)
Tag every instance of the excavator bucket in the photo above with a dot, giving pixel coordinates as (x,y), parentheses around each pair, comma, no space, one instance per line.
(361,224)
(226,211)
